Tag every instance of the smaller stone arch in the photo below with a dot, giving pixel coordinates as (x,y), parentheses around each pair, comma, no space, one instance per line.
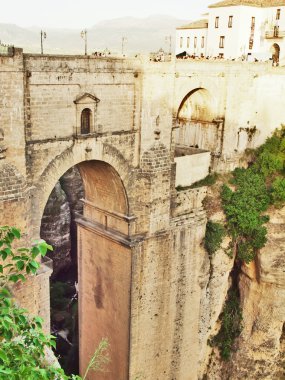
(199,126)
(196,105)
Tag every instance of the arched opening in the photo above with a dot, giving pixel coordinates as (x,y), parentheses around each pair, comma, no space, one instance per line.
(103,262)
(275,49)
(58,227)
(198,125)
(85,128)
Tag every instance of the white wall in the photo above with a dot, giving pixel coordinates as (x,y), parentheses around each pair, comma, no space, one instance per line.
(192,33)
(237,38)
(192,168)
(269,21)
(236,43)
(231,45)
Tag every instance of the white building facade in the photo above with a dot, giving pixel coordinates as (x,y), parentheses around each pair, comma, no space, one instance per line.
(192,38)
(250,29)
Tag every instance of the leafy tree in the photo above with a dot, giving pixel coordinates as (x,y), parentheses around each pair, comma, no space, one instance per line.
(23,344)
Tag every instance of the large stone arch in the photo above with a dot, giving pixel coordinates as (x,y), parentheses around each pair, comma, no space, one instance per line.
(197,123)
(104,249)
(81,151)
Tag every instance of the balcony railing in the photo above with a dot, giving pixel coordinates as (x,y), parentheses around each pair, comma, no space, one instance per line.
(275,34)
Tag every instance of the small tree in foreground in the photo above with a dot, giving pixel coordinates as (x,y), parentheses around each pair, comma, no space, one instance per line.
(23,344)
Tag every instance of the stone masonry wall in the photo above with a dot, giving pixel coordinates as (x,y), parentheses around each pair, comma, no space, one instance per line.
(172,286)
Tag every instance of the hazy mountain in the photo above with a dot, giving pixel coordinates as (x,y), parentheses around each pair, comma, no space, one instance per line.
(142,35)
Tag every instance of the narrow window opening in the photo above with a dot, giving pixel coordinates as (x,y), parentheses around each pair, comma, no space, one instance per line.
(86,121)
(230,23)
(217,22)
(276,31)
(222,42)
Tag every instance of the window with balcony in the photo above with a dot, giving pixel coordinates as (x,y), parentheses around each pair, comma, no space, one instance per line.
(217,22)
(278,13)
(222,42)
(230,23)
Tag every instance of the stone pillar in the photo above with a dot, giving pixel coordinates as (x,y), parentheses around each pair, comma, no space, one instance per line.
(104,275)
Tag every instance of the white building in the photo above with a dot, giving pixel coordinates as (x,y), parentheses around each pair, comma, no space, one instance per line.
(192,38)
(245,29)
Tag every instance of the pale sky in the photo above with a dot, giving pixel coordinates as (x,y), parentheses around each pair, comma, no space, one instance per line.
(86,13)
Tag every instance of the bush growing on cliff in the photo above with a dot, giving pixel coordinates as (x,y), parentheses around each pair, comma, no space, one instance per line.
(23,344)
(245,200)
(278,191)
(243,208)
(256,188)
(213,236)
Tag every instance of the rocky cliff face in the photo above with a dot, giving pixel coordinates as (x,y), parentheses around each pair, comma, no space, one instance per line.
(261,352)
(260,349)
(58,226)
(55,228)
(71,184)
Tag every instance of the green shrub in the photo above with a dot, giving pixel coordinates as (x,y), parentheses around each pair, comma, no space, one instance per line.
(213,236)
(243,208)
(278,191)
(271,155)
(23,343)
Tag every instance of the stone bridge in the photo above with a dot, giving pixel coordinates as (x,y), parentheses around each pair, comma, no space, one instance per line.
(136,130)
